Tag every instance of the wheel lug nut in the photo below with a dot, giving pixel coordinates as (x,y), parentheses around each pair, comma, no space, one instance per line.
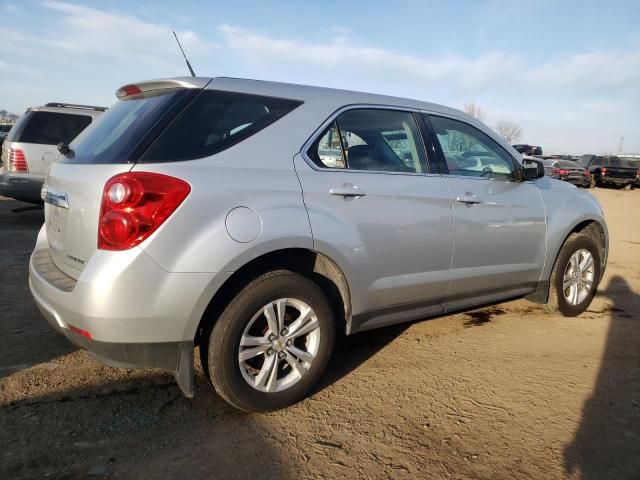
(285,331)
(272,337)
(270,351)
(289,342)
(280,354)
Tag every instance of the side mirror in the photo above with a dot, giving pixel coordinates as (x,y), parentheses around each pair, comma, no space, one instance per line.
(532,169)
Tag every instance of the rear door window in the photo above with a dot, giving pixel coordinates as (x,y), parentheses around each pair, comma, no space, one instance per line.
(371,139)
(48,128)
(381,140)
(215,121)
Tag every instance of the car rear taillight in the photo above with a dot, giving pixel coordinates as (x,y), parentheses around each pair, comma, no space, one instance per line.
(585,173)
(17,161)
(134,205)
(559,171)
(638,173)
(603,170)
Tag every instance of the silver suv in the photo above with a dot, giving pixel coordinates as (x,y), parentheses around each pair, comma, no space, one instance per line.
(255,220)
(31,146)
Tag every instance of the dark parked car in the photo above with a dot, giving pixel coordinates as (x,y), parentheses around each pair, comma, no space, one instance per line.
(609,170)
(527,149)
(633,162)
(4,131)
(566,170)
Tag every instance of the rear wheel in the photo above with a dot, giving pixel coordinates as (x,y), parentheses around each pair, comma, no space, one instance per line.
(272,342)
(575,276)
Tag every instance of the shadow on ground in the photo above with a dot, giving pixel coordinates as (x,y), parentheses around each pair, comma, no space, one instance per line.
(158,434)
(607,443)
(21,325)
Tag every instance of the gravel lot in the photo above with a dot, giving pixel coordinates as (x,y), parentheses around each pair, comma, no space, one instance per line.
(501,392)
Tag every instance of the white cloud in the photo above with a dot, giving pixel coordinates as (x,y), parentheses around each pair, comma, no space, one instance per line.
(490,70)
(340,52)
(85,30)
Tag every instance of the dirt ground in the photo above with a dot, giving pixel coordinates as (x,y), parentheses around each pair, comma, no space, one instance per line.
(501,392)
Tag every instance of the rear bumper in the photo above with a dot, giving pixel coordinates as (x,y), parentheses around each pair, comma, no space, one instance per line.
(21,187)
(134,313)
(616,181)
(581,181)
(176,356)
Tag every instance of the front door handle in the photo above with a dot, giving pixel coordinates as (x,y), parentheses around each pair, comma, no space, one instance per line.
(347,190)
(469,199)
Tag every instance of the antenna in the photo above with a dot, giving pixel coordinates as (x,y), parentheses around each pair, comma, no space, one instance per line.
(183,54)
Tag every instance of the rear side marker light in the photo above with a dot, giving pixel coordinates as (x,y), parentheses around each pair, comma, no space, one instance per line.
(134,205)
(17,161)
(80,331)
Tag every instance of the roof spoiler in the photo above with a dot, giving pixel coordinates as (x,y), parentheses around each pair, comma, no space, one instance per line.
(156,87)
(73,105)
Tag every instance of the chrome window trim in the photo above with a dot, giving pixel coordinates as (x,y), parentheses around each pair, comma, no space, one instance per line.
(360,106)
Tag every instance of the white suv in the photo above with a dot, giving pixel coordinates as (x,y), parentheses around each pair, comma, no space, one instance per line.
(31,146)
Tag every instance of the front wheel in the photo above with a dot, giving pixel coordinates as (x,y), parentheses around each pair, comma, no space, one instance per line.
(272,342)
(575,276)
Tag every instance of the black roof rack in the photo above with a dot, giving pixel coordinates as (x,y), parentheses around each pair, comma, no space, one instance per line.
(71,105)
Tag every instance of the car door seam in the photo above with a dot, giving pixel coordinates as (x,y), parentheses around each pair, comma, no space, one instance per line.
(304,203)
(546,233)
(453,241)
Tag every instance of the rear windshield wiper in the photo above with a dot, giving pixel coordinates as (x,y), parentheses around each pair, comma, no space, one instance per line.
(64,149)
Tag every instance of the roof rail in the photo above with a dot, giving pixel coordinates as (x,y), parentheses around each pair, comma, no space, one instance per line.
(72,105)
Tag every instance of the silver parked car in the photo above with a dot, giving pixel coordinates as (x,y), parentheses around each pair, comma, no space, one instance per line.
(31,146)
(256,219)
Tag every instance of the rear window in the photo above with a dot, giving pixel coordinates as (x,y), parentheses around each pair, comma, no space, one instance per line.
(567,164)
(48,128)
(215,121)
(120,133)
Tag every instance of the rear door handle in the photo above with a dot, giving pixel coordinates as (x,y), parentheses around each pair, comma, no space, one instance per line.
(469,199)
(347,190)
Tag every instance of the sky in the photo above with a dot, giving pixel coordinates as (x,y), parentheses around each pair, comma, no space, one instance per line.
(568,73)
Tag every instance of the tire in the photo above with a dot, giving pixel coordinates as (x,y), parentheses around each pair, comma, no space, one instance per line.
(558,302)
(245,318)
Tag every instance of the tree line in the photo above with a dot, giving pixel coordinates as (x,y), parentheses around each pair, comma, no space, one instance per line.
(510,131)
(7,117)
